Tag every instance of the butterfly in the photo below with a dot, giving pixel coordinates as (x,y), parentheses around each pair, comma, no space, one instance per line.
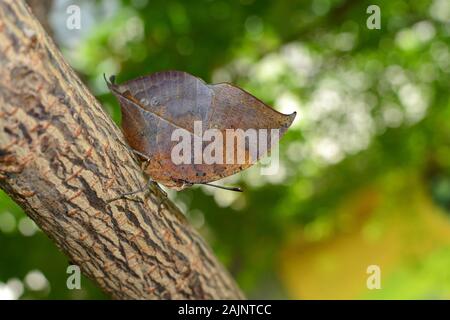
(158,106)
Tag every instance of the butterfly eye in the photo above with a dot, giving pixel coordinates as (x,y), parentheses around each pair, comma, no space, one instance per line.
(154,102)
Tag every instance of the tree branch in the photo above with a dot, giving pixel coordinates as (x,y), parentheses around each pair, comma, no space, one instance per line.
(61,159)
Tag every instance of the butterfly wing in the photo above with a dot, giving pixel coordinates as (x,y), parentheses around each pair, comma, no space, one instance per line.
(154,106)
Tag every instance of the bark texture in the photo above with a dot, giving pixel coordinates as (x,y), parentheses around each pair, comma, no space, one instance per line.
(62,158)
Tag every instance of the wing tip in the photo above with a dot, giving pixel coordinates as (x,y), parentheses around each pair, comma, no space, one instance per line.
(290,118)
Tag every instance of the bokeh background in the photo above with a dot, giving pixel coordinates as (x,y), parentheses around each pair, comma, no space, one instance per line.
(365,168)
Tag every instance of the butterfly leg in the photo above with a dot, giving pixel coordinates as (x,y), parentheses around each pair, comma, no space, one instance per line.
(144,189)
(189,184)
(136,152)
(147,159)
(150,182)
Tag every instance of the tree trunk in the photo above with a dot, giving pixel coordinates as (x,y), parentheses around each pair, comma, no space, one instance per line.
(62,158)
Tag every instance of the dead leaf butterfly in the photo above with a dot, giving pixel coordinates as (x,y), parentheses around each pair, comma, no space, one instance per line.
(163,104)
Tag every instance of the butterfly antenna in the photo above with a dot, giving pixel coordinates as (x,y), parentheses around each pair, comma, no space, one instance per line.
(112,80)
(236,189)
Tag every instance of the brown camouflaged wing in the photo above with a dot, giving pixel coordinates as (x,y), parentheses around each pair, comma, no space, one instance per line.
(154,106)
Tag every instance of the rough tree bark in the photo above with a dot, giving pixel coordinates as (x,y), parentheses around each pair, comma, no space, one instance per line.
(62,158)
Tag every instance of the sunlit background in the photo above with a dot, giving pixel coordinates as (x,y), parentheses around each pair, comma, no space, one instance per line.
(364,176)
